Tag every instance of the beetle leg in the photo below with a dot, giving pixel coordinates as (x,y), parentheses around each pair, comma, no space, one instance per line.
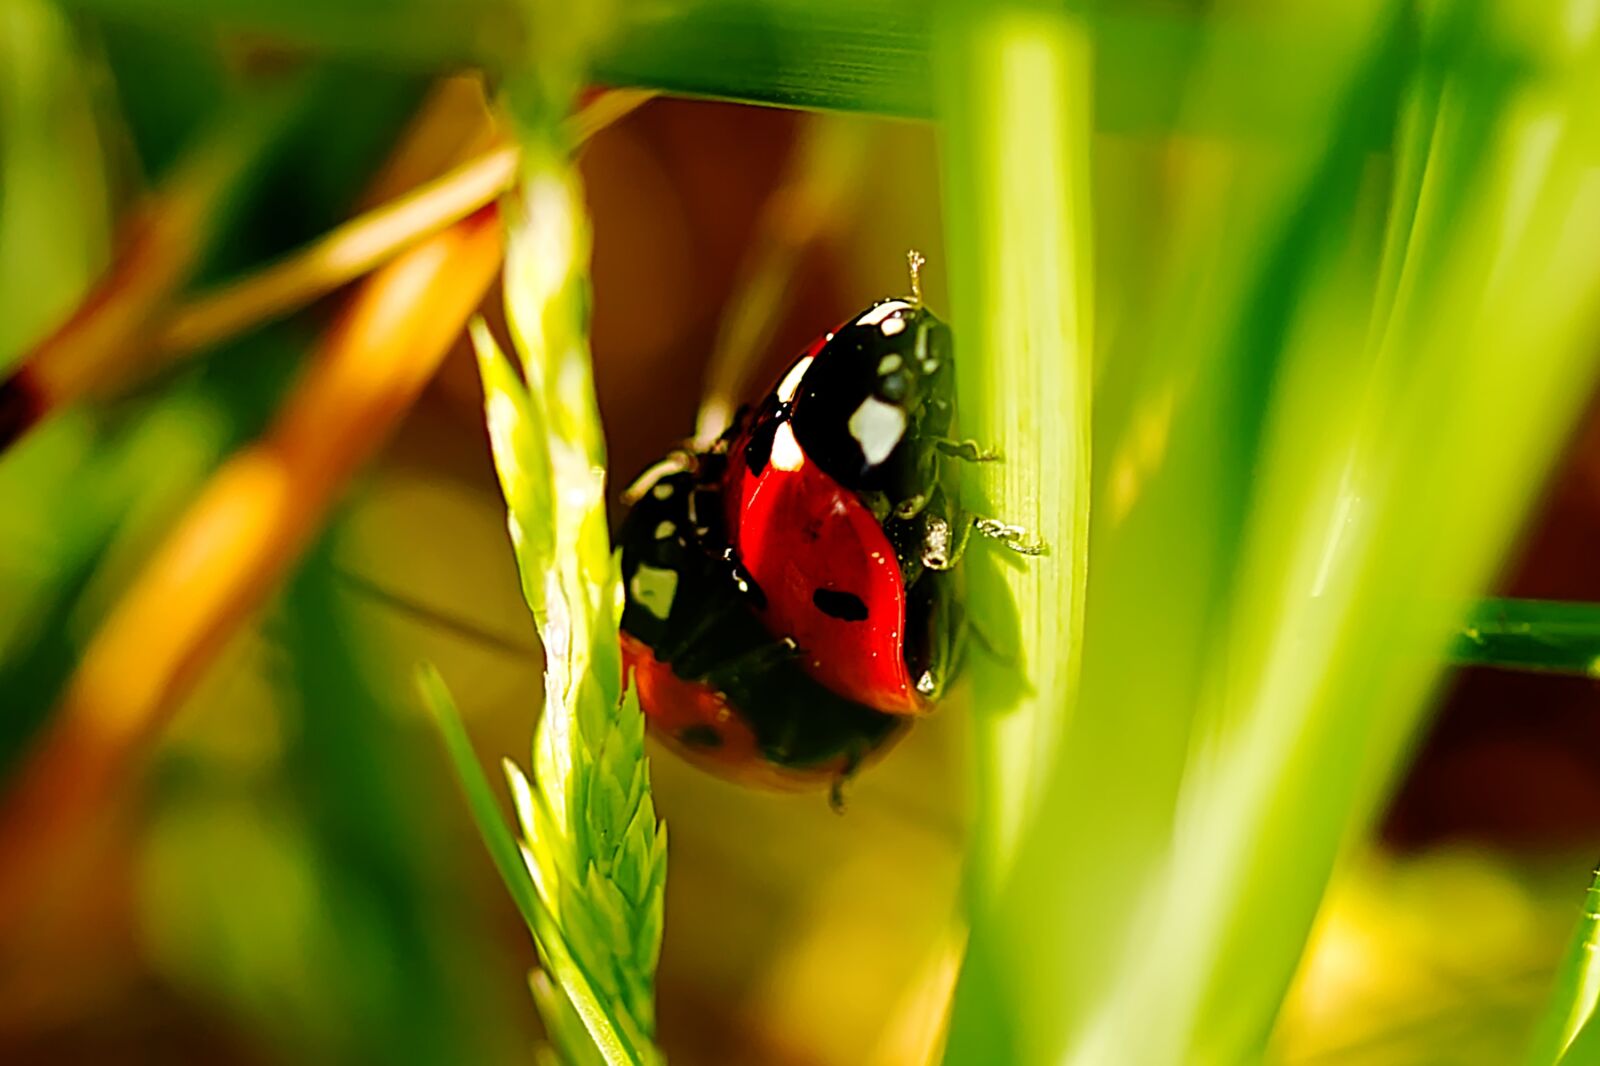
(853,760)
(933,631)
(1013,537)
(944,542)
(877,503)
(911,506)
(968,450)
(676,461)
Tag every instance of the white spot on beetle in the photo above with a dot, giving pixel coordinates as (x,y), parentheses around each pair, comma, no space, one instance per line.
(890,363)
(786,453)
(654,589)
(662,491)
(891,326)
(665,530)
(791,381)
(877,427)
(877,314)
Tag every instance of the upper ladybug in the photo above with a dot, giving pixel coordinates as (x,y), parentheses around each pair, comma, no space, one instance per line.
(840,501)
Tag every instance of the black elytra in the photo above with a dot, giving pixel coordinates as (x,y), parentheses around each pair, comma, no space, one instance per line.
(696,612)
(875,397)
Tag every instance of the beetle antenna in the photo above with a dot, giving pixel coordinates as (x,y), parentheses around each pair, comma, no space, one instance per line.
(914,261)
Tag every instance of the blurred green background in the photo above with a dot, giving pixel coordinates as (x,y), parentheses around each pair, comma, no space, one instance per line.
(292,876)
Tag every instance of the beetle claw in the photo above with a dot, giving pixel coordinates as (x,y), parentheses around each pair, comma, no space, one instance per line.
(911,506)
(1013,537)
(967,450)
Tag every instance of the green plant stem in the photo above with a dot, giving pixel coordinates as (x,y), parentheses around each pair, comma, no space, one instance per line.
(595,854)
(1575,992)
(1543,635)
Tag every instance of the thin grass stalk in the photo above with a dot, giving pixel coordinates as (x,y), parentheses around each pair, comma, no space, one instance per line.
(1541,635)
(1576,990)
(366,242)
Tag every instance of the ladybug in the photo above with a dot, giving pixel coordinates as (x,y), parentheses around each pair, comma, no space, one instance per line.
(714,684)
(792,592)
(840,504)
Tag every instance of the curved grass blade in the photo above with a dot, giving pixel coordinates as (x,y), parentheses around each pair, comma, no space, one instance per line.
(1575,995)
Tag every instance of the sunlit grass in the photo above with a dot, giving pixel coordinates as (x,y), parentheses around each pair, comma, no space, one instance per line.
(595,854)
(1330,275)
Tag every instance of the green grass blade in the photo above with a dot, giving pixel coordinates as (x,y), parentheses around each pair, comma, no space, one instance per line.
(877,56)
(1544,635)
(55,215)
(1250,685)
(872,56)
(509,862)
(502,847)
(1576,992)
(1371,512)
(1585,1047)
(1016,129)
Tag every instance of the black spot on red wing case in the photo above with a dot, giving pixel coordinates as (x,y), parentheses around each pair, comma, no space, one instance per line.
(845,606)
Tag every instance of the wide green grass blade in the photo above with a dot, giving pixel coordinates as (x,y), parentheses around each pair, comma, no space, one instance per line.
(873,56)
(1293,490)
(1015,152)
(1370,510)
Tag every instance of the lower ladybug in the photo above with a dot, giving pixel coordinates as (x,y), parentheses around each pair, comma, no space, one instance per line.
(714,684)
(793,592)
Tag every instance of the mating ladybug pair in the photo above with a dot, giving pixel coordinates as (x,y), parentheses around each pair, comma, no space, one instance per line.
(793,593)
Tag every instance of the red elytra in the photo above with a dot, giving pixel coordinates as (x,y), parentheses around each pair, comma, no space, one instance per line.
(675,706)
(804,539)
